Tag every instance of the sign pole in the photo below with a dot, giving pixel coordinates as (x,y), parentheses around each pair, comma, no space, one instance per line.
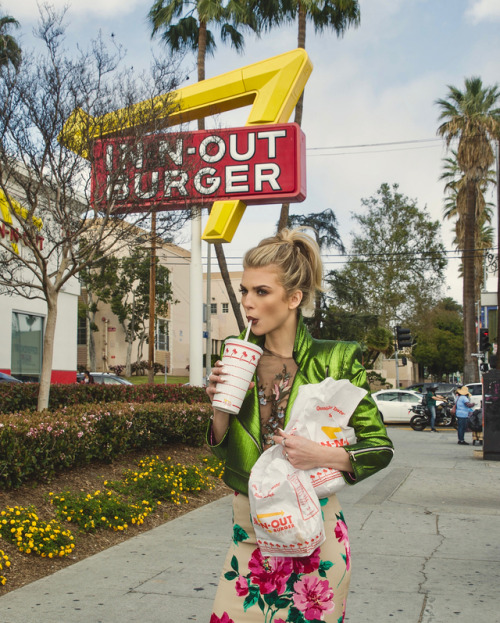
(196,303)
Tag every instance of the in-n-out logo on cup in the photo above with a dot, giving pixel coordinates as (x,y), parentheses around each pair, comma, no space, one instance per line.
(239,363)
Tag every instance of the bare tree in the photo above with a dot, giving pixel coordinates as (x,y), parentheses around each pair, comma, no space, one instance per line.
(46,164)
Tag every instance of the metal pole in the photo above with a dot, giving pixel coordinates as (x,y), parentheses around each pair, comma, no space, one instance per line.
(196,303)
(208,350)
(498,255)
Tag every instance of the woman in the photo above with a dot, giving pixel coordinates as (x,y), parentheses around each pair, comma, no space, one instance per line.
(281,276)
(463,410)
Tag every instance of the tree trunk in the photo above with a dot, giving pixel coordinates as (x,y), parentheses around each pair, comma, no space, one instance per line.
(470,341)
(229,287)
(48,350)
(299,108)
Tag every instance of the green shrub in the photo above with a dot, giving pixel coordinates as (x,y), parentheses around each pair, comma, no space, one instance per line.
(18,397)
(35,445)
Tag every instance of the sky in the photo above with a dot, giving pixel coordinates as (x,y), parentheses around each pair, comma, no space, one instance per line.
(369,115)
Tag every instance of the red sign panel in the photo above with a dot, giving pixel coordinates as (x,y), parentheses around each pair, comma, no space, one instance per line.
(256,164)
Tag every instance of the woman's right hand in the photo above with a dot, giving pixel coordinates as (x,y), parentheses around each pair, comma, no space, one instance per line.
(214,378)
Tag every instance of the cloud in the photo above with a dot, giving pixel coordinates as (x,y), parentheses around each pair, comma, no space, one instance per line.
(481,10)
(28,9)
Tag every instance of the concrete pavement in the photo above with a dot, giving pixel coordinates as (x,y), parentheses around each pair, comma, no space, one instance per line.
(425,542)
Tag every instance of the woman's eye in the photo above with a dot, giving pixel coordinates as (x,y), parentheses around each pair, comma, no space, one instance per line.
(261,292)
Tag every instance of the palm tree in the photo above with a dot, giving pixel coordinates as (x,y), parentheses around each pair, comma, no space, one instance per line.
(336,15)
(472,116)
(454,207)
(183,25)
(10,52)
(324,226)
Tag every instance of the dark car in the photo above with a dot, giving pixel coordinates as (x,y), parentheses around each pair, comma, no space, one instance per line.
(104,377)
(443,389)
(7,378)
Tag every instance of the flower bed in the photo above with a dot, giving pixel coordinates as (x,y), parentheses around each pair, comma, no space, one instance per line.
(35,445)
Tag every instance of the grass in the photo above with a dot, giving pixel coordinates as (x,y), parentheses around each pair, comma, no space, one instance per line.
(159,379)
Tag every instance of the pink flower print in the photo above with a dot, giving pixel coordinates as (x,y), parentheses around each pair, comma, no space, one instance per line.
(241,586)
(224,619)
(341,535)
(276,391)
(253,358)
(341,531)
(244,355)
(235,352)
(269,573)
(313,597)
(306,564)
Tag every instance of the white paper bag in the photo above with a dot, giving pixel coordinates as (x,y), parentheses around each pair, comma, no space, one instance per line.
(284,503)
(321,412)
(285,510)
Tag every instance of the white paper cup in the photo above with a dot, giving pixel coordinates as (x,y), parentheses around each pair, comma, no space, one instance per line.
(240,361)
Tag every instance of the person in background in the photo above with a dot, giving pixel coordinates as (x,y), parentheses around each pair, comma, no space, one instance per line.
(464,408)
(431,399)
(87,378)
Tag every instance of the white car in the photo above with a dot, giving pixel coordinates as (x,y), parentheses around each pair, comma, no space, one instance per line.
(394,404)
(476,390)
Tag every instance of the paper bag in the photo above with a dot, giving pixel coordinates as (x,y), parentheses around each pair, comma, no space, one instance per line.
(285,510)
(321,412)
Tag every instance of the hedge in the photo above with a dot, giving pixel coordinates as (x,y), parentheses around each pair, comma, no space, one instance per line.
(36,445)
(22,396)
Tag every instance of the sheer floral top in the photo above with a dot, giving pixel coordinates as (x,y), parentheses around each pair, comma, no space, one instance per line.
(275,376)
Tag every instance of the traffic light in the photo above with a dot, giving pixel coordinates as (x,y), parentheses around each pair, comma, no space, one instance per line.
(484,340)
(403,337)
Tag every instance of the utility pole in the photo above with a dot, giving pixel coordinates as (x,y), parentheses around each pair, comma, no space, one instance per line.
(152,301)
(498,256)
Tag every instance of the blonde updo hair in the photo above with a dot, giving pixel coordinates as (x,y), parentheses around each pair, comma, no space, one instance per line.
(297,257)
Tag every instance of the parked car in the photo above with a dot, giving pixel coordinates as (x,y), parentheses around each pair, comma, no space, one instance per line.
(394,404)
(444,389)
(7,378)
(104,377)
(476,390)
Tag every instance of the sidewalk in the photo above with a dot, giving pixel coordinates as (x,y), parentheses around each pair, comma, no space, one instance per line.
(425,542)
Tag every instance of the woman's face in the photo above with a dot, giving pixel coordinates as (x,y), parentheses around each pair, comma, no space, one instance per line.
(265,301)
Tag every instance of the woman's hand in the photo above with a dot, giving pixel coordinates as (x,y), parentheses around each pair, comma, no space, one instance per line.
(306,454)
(213,379)
(217,376)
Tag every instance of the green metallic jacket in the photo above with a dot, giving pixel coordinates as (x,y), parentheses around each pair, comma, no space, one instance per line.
(241,445)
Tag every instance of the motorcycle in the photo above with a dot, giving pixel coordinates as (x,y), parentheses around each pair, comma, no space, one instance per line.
(444,416)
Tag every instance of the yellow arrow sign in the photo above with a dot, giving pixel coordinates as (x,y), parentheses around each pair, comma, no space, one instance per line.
(331,430)
(272,87)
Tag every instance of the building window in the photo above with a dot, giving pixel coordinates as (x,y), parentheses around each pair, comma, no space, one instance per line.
(82,331)
(225,308)
(27,346)
(162,334)
(213,308)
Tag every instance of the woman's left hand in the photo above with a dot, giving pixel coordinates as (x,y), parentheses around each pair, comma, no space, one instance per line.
(306,454)
(301,452)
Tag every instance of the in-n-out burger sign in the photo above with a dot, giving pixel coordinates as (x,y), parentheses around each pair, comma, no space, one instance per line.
(257,164)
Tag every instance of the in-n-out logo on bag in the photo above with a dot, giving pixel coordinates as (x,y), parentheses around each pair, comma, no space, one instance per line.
(278,524)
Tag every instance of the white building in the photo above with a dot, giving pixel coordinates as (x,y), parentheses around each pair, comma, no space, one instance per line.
(23,319)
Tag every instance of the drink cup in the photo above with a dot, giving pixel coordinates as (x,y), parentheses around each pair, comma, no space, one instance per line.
(239,361)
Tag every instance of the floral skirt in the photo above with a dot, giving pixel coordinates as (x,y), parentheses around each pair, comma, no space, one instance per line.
(257,589)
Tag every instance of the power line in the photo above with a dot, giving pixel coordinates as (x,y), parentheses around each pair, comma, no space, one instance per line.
(388,144)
